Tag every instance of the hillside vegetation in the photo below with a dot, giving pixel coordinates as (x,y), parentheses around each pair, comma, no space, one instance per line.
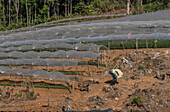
(21,13)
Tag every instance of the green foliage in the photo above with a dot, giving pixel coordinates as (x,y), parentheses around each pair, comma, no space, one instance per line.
(72,73)
(132,45)
(141,67)
(96,64)
(37,9)
(115,59)
(151,7)
(18,95)
(32,96)
(136,100)
(37,86)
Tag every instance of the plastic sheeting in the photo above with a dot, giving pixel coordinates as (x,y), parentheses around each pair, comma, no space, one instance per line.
(64,46)
(154,25)
(46,54)
(39,62)
(56,76)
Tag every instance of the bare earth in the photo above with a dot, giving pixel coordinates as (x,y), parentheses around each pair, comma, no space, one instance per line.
(153,93)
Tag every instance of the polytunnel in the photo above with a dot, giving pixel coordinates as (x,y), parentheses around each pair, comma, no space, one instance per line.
(3,55)
(60,54)
(46,54)
(55,46)
(81,47)
(56,76)
(31,55)
(15,54)
(25,48)
(8,62)
(37,46)
(73,54)
(39,62)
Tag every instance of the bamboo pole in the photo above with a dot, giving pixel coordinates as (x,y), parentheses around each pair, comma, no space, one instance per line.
(146,38)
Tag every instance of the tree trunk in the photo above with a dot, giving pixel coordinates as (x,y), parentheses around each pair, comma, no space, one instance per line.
(128,7)
(65,8)
(21,18)
(35,14)
(4,19)
(32,18)
(49,10)
(68,5)
(9,12)
(26,10)
(29,15)
(44,12)
(0,12)
(16,3)
(54,6)
(58,12)
(71,7)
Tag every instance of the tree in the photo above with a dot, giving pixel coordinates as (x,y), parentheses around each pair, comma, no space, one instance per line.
(44,10)
(26,6)
(16,3)
(128,7)
(9,17)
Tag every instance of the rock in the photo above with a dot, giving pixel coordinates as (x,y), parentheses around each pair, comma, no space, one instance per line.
(116,99)
(106,88)
(115,88)
(97,107)
(93,81)
(98,100)
(118,109)
(162,76)
(135,111)
(145,90)
(159,93)
(84,86)
(135,85)
(137,90)
(135,77)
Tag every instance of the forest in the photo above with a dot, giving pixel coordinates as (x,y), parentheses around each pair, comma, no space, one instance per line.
(22,13)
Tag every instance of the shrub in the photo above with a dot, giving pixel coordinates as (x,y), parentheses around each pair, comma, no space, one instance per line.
(141,67)
(136,100)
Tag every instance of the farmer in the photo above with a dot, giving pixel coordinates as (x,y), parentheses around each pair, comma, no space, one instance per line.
(115,73)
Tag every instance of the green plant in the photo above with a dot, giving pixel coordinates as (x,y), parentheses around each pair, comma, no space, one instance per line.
(96,64)
(136,100)
(141,67)
(72,73)
(32,95)
(69,68)
(115,59)
(147,58)
(18,95)
(37,86)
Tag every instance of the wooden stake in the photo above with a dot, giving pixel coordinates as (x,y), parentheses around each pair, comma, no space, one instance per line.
(73,84)
(109,46)
(136,49)
(97,62)
(77,70)
(88,69)
(146,38)
(123,46)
